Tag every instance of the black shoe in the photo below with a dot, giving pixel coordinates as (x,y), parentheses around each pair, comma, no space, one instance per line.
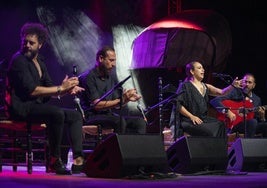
(77,169)
(59,168)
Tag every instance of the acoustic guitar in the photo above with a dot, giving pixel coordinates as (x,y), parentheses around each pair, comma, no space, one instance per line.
(239,108)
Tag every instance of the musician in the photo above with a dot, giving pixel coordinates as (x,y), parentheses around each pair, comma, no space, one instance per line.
(30,89)
(192,103)
(246,96)
(97,82)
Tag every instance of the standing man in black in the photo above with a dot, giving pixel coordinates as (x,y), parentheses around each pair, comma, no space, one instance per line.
(97,82)
(30,87)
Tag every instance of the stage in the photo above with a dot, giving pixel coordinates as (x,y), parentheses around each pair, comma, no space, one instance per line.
(40,179)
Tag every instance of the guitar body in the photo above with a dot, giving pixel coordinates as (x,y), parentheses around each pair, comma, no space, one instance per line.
(237,107)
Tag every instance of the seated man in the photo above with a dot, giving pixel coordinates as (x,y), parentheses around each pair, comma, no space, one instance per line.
(97,82)
(30,87)
(229,109)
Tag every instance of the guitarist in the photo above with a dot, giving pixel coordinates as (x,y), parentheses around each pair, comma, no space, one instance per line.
(243,94)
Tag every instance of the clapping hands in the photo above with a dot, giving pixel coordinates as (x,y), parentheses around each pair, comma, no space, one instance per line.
(71,85)
(130,95)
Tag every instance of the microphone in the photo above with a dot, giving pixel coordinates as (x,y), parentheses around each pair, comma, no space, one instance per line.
(77,99)
(221,75)
(140,108)
(78,106)
(74,70)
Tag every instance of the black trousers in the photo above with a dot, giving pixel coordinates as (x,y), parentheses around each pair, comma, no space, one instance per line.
(262,128)
(210,127)
(248,128)
(55,119)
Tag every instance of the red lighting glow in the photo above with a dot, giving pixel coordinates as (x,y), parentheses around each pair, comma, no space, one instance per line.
(174,23)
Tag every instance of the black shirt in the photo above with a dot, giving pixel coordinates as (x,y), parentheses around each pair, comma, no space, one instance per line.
(96,86)
(23,78)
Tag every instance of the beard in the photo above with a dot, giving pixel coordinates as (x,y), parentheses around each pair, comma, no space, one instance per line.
(105,71)
(108,71)
(29,53)
(245,90)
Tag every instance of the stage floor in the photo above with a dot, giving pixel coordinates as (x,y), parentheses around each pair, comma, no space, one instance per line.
(40,179)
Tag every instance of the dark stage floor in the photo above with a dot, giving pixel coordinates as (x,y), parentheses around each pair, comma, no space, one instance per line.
(40,179)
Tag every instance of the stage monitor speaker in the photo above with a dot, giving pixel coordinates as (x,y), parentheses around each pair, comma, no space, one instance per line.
(248,154)
(127,155)
(190,155)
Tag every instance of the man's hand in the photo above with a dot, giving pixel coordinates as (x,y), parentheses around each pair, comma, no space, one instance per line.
(70,85)
(76,90)
(231,115)
(130,95)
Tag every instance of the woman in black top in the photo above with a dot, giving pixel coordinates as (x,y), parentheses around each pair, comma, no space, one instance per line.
(192,103)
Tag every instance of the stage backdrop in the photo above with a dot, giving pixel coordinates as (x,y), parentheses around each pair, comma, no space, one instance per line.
(162,49)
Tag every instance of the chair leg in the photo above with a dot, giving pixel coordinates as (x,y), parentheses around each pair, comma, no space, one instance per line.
(15,145)
(99,134)
(29,145)
(47,157)
(14,153)
(1,164)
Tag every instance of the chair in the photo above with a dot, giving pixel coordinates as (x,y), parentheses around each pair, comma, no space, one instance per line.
(93,135)
(10,143)
(175,123)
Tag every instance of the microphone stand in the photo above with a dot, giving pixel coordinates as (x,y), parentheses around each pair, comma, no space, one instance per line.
(165,102)
(160,106)
(175,120)
(76,98)
(139,106)
(244,112)
(175,108)
(120,93)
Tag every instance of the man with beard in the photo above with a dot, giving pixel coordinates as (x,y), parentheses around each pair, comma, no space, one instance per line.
(30,87)
(97,82)
(237,99)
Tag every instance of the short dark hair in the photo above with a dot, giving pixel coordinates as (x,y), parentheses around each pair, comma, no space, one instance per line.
(103,51)
(35,28)
(250,74)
